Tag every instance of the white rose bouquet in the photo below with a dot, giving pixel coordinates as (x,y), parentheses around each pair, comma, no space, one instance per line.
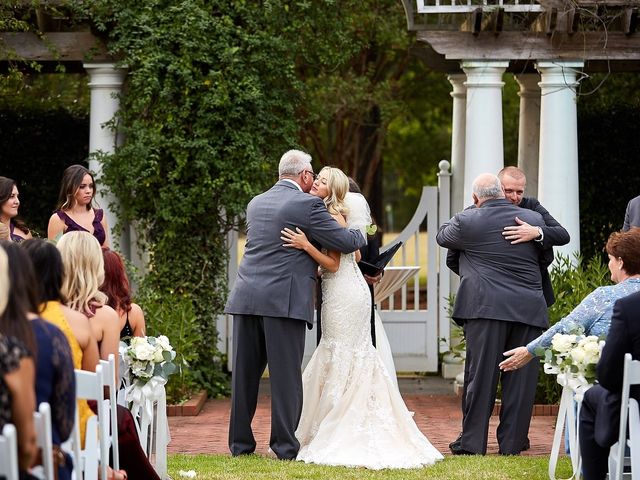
(148,357)
(573,358)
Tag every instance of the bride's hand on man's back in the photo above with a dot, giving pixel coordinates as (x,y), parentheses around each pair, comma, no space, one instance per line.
(295,239)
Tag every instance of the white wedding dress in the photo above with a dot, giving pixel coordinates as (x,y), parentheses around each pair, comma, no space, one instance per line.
(352,413)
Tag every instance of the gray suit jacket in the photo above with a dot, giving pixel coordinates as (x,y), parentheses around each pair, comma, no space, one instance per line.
(275,281)
(632,214)
(499,281)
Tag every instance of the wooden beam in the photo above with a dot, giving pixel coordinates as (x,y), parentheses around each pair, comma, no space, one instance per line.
(573,20)
(552,21)
(53,47)
(494,22)
(473,23)
(533,46)
(630,21)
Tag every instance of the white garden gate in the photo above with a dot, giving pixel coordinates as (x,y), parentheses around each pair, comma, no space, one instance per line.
(415,317)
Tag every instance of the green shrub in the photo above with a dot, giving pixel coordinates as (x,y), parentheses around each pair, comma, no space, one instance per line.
(172,314)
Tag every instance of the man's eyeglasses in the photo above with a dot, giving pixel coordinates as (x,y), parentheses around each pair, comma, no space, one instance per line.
(313,175)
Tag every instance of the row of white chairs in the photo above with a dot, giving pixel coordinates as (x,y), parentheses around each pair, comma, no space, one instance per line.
(101,432)
(44,441)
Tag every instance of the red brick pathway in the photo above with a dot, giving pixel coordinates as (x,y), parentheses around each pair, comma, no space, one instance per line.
(437,416)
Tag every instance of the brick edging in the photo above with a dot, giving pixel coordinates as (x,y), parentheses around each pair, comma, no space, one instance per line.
(190,407)
(539,410)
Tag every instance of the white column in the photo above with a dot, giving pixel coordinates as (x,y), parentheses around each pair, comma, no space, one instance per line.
(529,129)
(558,168)
(105,83)
(484,151)
(458,129)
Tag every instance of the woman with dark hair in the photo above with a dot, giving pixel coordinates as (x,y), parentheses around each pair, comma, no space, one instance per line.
(17,376)
(116,287)
(55,379)
(76,210)
(9,204)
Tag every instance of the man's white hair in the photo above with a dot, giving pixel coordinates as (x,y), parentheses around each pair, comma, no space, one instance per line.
(293,162)
(487,185)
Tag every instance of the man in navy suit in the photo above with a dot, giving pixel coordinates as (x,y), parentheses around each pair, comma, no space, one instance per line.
(600,412)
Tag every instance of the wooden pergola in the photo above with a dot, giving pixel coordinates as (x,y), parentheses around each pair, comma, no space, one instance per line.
(58,41)
(549,46)
(602,33)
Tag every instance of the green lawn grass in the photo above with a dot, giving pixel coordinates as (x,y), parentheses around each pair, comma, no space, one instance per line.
(224,467)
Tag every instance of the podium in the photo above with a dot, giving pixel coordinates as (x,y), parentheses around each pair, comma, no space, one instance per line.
(393,280)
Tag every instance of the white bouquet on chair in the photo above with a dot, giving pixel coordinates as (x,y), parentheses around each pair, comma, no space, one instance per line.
(149,363)
(573,358)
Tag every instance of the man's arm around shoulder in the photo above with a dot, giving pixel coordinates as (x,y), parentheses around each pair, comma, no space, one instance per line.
(450,234)
(553,234)
(328,232)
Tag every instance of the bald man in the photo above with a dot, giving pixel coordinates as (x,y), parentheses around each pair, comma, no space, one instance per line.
(500,303)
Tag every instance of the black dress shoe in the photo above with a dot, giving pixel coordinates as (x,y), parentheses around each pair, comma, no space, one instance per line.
(527,445)
(458,450)
(456,442)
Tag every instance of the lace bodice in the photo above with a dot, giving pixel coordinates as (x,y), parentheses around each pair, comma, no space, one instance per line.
(346,305)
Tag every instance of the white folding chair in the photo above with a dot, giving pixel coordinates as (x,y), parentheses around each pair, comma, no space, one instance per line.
(90,386)
(44,438)
(109,379)
(9,452)
(634,437)
(631,376)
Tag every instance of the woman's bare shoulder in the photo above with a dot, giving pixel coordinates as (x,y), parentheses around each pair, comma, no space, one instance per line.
(106,313)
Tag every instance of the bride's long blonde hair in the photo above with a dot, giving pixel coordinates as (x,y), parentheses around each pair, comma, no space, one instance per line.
(83,271)
(337,187)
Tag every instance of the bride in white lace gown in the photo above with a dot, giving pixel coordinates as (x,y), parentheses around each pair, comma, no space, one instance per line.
(352,413)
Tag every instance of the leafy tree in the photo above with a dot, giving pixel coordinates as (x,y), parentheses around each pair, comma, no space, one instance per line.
(207,110)
(351,58)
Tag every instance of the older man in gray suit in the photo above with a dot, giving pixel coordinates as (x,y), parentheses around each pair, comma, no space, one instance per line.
(272,302)
(500,304)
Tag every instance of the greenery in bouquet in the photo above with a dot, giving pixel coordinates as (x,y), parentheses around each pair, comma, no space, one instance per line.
(149,357)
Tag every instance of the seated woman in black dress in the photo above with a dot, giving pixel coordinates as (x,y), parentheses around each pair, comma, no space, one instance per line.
(76,210)
(116,287)
(13,229)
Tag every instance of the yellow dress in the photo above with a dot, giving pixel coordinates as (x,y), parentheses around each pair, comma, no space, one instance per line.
(53,314)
